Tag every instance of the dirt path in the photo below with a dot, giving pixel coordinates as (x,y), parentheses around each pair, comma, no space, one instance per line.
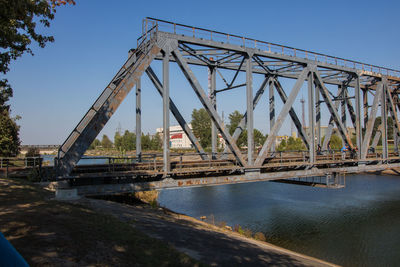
(201,241)
(53,233)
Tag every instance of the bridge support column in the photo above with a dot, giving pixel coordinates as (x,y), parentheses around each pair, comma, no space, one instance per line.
(249,98)
(384,117)
(138,121)
(358,127)
(318,116)
(213,98)
(365,107)
(343,108)
(166,151)
(271,109)
(311,114)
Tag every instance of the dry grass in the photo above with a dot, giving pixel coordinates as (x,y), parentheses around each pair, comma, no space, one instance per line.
(52,233)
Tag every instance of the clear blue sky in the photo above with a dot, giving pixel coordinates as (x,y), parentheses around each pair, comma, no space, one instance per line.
(54,88)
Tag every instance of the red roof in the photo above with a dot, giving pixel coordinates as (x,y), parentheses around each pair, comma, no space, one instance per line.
(176,136)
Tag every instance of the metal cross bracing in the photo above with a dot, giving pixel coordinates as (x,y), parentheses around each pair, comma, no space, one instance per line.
(333,85)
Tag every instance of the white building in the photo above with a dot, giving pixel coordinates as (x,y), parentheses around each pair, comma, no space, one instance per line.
(177,137)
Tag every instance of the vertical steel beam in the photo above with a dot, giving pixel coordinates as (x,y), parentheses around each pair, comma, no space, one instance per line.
(365,107)
(272,110)
(311,115)
(350,109)
(384,117)
(371,121)
(343,109)
(318,116)
(208,106)
(358,115)
(213,97)
(138,120)
(250,108)
(178,116)
(281,117)
(166,150)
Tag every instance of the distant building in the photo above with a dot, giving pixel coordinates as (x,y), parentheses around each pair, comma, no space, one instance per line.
(177,137)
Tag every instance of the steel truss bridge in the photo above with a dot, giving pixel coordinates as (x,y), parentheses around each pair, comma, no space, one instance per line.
(343,86)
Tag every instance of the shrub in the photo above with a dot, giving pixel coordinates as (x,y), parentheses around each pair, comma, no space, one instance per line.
(149,197)
(34,175)
(32,152)
(260,236)
(247,233)
(222,224)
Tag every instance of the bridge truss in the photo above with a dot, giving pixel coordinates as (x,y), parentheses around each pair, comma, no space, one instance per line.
(360,90)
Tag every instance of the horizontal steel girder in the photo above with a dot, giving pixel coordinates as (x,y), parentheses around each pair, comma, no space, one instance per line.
(222,180)
(201,44)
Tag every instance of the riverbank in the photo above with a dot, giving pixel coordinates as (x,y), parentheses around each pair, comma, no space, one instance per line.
(103,233)
(52,233)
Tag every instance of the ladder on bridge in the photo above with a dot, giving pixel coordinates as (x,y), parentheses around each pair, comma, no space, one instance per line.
(106,104)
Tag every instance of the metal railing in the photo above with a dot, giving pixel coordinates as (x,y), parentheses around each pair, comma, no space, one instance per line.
(196,32)
(8,163)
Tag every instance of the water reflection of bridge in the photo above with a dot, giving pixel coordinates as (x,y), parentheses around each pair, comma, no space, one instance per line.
(335,86)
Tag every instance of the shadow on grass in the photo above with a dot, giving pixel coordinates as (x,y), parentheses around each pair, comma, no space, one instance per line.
(52,233)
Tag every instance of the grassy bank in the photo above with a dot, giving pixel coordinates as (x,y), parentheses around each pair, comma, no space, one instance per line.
(51,233)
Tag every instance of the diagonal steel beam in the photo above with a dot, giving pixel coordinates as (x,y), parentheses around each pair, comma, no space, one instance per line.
(350,108)
(371,121)
(384,115)
(178,116)
(331,107)
(281,117)
(208,106)
(292,114)
(331,124)
(377,136)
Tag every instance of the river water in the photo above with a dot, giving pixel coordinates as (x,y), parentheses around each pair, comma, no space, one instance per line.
(358,225)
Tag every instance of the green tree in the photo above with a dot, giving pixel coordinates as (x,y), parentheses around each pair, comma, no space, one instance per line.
(201,124)
(295,144)
(156,143)
(9,135)
(19,19)
(336,142)
(234,120)
(378,122)
(95,144)
(128,141)
(146,142)
(118,140)
(106,142)
(282,145)
(259,138)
